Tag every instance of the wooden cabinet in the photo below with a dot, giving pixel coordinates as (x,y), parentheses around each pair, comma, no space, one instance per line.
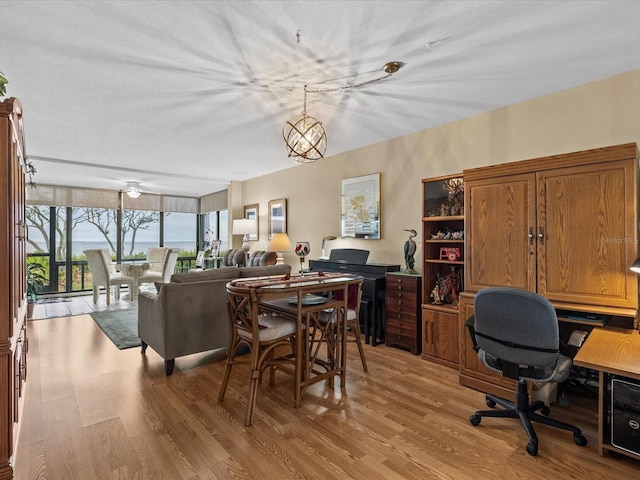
(13,299)
(443,268)
(402,304)
(564,226)
(440,336)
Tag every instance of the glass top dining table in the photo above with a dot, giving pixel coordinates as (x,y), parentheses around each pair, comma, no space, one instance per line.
(303,298)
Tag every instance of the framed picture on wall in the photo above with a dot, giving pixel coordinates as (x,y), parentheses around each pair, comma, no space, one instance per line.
(277,216)
(251,212)
(360,216)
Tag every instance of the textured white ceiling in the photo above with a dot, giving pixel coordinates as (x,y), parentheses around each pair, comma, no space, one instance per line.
(186,96)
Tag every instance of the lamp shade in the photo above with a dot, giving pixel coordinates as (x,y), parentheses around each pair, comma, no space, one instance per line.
(279,243)
(244,226)
(636,266)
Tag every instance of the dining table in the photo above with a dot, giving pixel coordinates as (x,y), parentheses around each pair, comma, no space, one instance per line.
(134,269)
(304,298)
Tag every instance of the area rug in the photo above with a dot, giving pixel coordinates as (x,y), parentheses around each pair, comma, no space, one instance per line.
(121,326)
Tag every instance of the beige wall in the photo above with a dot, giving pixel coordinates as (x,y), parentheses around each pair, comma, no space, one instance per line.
(594,115)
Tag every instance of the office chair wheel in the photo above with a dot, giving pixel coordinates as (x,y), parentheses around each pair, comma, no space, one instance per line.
(580,440)
(475,420)
(490,403)
(532,449)
(545,410)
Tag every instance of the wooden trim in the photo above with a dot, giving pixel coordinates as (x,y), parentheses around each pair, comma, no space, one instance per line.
(584,157)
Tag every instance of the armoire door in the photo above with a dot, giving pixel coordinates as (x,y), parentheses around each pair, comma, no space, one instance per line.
(587,236)
(500,246)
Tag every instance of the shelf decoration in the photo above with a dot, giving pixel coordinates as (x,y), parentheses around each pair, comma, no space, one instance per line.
(453,204)
(447,288)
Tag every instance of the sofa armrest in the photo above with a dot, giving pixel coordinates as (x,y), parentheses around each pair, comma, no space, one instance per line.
(150,320)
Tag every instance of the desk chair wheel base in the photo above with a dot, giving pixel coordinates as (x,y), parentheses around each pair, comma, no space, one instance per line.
(526,413)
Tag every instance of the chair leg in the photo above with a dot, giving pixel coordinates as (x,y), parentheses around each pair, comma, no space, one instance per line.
(108,294)
(117,292)
(356,330)
(96,293)
(253,393)
(168,366)
(227,371)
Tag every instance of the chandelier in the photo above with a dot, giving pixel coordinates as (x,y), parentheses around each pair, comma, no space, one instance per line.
(304,135)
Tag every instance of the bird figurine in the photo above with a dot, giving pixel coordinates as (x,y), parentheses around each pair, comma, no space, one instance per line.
(409,252)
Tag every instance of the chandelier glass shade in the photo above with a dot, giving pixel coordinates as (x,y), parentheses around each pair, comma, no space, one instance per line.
(305,138)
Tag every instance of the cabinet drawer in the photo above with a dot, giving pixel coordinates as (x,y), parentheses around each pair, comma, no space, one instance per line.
(393,287)
(406,297)
(401,305)
(400,340)
(395,318)
(403,328)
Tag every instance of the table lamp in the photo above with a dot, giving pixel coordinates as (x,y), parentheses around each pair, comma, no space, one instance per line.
(324,239)
(245,227)
(279,243)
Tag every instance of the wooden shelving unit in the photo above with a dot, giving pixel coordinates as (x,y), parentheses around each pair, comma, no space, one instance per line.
(443,237)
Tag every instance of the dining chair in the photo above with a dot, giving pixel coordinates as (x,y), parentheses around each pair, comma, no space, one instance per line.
(262,334)
(162,263)
(352,318)
(103,276)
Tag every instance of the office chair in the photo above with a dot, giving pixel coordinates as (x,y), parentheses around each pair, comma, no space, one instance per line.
(515,332)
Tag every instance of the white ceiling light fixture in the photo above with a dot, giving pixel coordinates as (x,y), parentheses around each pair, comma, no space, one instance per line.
(133,189)
(305,137)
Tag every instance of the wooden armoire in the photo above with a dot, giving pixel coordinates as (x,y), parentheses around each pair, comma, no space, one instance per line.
(13,298)
(564,226)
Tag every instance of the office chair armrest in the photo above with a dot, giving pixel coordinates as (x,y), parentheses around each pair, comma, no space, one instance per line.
(470,323)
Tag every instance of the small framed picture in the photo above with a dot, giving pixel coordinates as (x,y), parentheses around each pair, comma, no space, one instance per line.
(251,212)
(200,259)
(277,216)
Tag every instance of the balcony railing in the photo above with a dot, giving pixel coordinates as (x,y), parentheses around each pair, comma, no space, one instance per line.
(81,278)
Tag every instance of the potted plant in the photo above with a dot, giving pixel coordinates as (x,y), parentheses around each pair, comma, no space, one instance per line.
(36,279)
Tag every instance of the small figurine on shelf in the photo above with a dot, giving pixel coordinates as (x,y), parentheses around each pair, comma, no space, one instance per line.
(435,294)
(454,285)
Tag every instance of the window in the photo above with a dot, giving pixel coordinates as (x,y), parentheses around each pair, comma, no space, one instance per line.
(140,230)
(180,230)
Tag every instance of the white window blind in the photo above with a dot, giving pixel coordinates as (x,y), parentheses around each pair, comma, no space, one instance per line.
(214,202)
(58,196)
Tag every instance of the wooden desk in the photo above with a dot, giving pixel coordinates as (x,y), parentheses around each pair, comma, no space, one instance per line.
(610,351)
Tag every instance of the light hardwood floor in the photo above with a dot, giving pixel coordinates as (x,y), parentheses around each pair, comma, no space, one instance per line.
(95,412)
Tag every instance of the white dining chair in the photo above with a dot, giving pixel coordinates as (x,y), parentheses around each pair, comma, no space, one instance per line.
(160,270)
(102,276)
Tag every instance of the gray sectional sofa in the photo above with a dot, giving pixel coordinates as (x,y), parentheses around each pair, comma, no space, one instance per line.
(189,314)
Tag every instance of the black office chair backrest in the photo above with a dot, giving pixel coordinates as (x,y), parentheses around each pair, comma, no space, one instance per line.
(516,326)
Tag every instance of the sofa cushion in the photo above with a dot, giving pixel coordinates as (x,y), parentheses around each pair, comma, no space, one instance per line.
(225,273)
(265,271)
(234,257)
(260,258)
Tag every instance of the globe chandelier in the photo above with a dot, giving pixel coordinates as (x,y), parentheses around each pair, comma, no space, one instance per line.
(304,135)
